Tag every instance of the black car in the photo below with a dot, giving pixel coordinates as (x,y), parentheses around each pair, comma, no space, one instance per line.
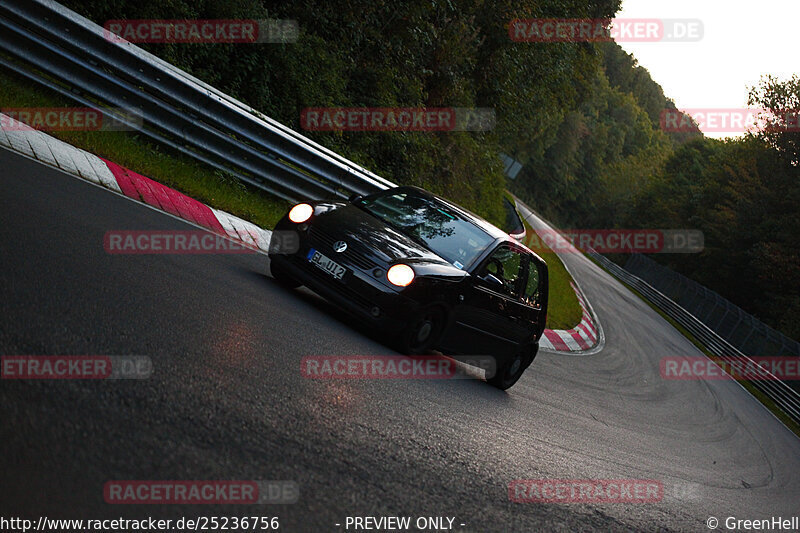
(423,269)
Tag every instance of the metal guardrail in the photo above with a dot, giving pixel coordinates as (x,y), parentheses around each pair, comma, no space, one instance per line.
(787,399)
(55,47)
(743,330)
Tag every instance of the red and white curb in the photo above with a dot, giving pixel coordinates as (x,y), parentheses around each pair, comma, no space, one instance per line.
(586,336)
(89,167)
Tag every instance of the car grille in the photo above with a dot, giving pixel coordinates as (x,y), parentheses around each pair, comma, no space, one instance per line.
(354,253)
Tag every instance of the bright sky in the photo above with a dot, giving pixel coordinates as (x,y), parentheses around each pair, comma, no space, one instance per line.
(742,39)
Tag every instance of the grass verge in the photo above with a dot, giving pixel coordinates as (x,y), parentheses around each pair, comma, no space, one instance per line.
(760,396)
(134,151)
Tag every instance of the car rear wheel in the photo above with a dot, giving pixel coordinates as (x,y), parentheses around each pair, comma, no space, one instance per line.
(509,371)
(422,332)
(282,277)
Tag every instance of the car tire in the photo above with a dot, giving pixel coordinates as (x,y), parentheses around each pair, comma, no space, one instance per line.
(530,352)
(509,372)
(282,277)
(423,331)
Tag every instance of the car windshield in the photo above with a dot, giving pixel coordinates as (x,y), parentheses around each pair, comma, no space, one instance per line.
(430,222)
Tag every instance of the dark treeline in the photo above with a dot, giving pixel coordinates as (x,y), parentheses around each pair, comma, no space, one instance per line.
(611,166)
(604,151)
(584,118)
(744,194)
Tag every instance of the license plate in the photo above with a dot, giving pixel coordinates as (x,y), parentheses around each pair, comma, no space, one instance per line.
(327,264)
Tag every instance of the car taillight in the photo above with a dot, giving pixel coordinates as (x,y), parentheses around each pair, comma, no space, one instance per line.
(400,275)
(300,213)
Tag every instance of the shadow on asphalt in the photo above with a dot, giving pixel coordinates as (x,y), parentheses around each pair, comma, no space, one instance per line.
(336,313)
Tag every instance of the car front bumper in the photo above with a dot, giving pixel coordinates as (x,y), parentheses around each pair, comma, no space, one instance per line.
(359,292)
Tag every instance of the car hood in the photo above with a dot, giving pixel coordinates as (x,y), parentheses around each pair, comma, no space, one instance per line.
(349,223)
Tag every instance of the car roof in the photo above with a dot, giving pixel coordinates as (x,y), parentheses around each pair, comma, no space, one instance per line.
(479,221)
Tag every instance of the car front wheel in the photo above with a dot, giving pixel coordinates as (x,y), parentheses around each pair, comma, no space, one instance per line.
(422,332)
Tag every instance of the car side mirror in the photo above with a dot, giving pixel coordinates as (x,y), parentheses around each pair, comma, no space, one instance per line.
(492,280)
(355,197)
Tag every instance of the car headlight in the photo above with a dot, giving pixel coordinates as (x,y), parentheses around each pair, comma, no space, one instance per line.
(300,213)
(400,275)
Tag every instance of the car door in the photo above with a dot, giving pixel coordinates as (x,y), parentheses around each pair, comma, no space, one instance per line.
(491,318)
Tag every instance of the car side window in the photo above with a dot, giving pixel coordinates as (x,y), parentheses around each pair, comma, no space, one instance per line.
(531,292)
(505,265)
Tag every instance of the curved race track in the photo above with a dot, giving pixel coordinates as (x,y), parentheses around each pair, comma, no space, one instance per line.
(227,399)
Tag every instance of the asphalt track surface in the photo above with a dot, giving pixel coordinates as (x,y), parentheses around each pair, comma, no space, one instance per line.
(227,399)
